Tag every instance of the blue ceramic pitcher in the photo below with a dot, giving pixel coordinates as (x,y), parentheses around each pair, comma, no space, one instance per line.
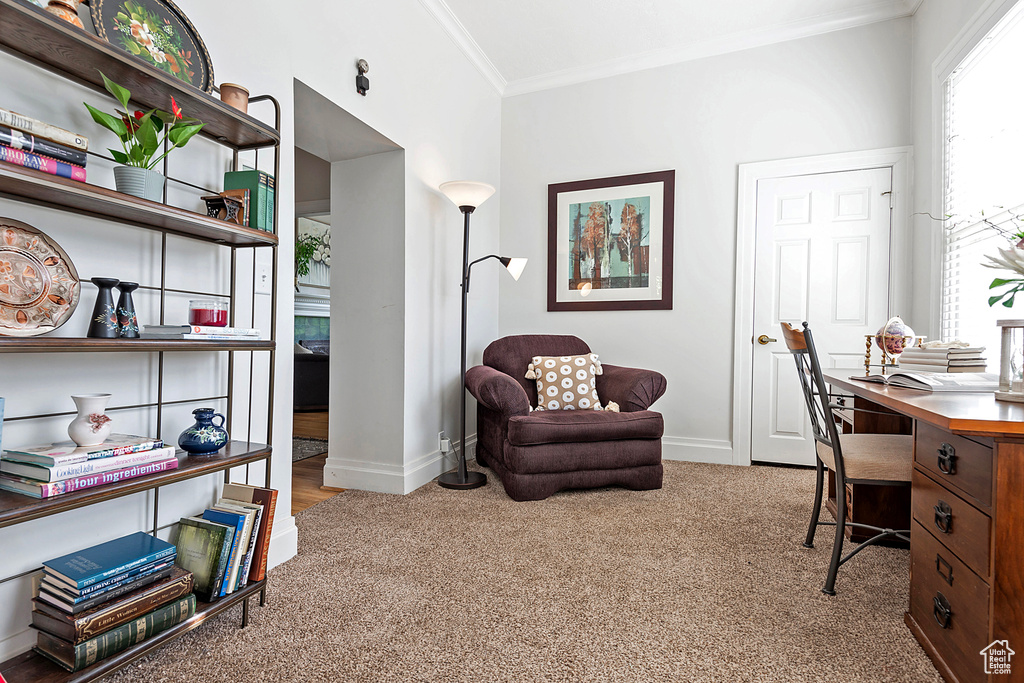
(204,437)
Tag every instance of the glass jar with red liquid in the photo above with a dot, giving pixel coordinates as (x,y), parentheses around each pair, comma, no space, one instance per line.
(208,313)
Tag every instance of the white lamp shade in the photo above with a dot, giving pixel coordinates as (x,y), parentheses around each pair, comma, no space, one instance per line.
(515,267)
(467,192)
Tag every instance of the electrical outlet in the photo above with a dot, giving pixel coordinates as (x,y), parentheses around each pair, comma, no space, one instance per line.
(263,278)
(440,441)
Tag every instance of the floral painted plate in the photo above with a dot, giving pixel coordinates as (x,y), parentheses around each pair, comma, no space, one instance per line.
(39,286)
(159,34)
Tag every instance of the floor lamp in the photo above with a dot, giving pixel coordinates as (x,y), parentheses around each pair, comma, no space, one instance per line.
(467,195)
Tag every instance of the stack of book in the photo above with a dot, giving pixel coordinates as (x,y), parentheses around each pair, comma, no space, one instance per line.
(968,359)
(261,192)
(35,144)
(226,547)
(58,468)
(99,601)
(199,332)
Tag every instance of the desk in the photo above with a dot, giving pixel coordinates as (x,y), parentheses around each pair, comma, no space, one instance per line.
(967,533)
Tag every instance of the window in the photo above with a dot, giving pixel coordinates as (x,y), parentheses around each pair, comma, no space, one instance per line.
(984,180)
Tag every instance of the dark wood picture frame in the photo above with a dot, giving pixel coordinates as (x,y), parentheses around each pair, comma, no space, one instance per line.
(666,229)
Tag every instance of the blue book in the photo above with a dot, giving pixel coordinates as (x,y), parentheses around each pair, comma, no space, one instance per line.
(103,561)
(54,583)
(237,522)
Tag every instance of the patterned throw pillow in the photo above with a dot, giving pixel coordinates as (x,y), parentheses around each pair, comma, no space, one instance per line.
(566,382)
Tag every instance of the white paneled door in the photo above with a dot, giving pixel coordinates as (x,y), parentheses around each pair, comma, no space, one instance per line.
(821,256)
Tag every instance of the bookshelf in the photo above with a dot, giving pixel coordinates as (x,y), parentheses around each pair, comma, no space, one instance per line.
(38,38)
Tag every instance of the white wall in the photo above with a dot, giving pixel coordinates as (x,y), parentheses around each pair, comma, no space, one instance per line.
(837,92)
(425,95)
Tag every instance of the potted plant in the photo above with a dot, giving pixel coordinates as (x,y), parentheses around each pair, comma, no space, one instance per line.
(142,135)
(305,248)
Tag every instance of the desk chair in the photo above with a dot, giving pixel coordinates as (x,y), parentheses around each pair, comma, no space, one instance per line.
(879,459)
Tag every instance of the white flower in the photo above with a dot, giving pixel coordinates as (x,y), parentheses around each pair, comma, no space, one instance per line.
(1009,259)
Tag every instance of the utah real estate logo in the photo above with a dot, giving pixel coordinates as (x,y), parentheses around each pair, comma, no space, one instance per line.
(997,657)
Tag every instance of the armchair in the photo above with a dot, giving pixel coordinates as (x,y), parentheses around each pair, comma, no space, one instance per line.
(536,454)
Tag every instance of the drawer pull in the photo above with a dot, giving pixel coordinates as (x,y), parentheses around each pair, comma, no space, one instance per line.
(944,517)
(941,611)
(946,575)
(947,459)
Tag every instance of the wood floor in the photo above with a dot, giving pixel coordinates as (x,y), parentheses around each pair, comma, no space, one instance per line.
(310,425)
(307,483)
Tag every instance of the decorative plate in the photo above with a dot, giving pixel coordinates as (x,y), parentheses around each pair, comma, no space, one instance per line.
(39,286)
(156,32)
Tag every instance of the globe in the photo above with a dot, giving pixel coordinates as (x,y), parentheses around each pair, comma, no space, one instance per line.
(894,336)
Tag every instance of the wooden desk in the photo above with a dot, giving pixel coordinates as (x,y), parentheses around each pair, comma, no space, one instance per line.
(967,535)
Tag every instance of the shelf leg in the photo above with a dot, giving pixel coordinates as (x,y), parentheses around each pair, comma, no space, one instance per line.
(263,596)
(245,612)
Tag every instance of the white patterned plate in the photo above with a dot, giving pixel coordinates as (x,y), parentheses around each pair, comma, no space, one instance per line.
(39,287)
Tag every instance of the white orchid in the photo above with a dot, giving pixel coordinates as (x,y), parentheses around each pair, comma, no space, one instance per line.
(1011,259)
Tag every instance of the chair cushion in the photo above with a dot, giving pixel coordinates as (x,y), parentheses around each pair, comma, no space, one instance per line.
(582,426)
(566,382)
(882,457)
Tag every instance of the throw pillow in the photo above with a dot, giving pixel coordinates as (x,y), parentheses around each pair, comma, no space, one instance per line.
(566,382)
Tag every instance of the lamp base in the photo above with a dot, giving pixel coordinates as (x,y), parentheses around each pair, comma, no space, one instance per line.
(451,480)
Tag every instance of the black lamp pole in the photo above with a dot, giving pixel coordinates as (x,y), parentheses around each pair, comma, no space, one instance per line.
(461,478)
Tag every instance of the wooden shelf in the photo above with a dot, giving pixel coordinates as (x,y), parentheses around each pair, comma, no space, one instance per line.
(84,344)
(34,668)
(33,34)
(17,182)
(16,508)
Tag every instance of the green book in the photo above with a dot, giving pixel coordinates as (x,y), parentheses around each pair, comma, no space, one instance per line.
(204,548)
(77,657)
(270,204)
(258,183)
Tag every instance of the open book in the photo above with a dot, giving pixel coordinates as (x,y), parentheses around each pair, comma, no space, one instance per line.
(937,381)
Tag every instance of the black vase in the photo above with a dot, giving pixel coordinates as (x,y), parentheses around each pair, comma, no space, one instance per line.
(127,323)
(104,315)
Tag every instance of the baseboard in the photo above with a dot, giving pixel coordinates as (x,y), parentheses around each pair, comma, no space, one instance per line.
(380,478)
(284,541)
(19,642)
(713,451)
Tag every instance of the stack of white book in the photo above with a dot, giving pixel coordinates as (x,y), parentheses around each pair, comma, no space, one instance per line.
(199,332)
(948,360)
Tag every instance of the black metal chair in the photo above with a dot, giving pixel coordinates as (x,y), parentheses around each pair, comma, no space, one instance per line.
(871,459)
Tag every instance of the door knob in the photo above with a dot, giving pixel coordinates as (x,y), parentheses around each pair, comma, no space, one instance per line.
(765,339)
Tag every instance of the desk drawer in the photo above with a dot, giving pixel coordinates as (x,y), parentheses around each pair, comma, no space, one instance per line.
(957,524)
(955,461)
(939,581)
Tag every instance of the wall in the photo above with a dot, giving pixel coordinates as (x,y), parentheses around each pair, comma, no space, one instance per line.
(838,92)
(309,328)
(446,117)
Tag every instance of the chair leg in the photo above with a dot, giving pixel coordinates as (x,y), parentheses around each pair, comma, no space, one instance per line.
(837,549)
(816,509)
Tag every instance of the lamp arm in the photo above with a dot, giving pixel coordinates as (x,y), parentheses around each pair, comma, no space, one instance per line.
(465,281)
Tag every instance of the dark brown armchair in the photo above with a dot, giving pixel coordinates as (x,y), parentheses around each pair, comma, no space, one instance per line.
(536,454)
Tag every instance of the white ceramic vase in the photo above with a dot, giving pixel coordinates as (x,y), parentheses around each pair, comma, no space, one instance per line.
(91,426)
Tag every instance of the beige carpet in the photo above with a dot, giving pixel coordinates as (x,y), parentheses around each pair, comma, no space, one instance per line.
(704,580)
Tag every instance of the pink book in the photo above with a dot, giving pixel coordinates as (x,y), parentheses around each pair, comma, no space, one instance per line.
(38,489)
(42,163)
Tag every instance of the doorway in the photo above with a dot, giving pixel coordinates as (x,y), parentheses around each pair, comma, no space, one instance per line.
(822,240)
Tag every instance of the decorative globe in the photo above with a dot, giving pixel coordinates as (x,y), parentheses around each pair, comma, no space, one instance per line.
(894,336)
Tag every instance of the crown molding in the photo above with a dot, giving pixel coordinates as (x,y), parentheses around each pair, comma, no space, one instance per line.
(879,11)
(460,36)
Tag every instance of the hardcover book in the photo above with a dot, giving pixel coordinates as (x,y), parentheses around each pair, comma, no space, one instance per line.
(43,130)
(268,499)
(39,489)
(65,452)
(42,163)
(199,329)
(76,657)
(99,562)
(204,549)
(254,512)
(10,465)
(257,182)
(59,587)
(17,139)
(236,520)
(76,628)
(123,589)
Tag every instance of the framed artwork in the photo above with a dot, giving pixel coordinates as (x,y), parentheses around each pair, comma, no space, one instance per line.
(158,33)
(610,243)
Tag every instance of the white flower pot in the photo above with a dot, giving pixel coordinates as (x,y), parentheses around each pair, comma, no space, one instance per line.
(91,426)
(139,182)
